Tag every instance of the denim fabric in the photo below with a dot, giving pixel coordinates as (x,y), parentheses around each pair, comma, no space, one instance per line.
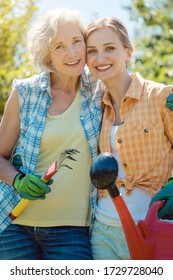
(42,243)
(108,242)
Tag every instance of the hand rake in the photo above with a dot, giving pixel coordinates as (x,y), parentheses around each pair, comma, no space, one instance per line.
(56,165)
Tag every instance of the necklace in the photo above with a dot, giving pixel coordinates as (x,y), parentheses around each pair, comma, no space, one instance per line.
(63,88)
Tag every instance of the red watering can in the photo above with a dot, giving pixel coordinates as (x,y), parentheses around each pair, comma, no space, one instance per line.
(150,239)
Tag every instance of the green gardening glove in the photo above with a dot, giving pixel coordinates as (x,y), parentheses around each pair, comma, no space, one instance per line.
(30,186)
(169,102)
(166,193)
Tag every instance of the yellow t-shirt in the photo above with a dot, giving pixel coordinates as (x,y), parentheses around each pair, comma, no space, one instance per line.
(68,201)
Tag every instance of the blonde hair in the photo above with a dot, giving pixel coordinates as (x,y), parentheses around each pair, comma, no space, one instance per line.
(44,31)
(114,24)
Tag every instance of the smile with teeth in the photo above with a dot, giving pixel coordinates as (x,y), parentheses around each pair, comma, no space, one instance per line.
(73,62)
(103,68)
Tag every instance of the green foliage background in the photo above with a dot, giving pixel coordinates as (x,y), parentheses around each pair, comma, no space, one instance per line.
(15,16)
(153,36)
(153,39)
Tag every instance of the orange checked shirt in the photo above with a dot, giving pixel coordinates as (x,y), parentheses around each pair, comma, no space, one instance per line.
(145,137)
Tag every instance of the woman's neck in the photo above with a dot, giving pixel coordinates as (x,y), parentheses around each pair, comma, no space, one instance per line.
(118,88)
(63,93)
(66,84)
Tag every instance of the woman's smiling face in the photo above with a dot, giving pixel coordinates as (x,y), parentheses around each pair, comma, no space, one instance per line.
(106,55)
(68,50)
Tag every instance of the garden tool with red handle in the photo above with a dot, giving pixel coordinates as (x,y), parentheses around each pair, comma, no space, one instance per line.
(56,165)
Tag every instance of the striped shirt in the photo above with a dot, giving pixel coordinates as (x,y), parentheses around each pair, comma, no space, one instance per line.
(145,137)
(34,100)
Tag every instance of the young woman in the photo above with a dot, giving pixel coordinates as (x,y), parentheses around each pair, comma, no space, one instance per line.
(137,128)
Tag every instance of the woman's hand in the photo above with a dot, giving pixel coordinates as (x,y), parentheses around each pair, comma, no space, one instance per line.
(166,193)
(169,102)
(31,187)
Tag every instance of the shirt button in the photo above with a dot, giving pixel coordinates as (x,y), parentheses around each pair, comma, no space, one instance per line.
(125,164)
(146,130)
(120,141)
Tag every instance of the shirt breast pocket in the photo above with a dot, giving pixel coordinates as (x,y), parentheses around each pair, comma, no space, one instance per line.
(149,133)
(149,127)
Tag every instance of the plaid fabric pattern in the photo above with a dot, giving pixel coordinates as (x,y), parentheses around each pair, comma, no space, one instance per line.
(34,99)
(145,137)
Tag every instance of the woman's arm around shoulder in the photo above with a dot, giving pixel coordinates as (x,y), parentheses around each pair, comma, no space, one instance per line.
(167,113)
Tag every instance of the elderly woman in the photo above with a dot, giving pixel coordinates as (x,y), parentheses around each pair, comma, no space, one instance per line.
(46,114)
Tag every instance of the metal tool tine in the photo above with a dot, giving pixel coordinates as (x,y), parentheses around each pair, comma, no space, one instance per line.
(65,165)
(70,157)
(66,155)
(72,151)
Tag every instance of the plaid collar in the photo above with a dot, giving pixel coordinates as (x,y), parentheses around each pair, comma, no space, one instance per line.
(134,91)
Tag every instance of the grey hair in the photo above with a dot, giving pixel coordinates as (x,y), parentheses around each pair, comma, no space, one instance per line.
(44,31)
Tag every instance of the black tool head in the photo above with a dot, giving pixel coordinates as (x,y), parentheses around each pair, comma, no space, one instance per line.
(104,171)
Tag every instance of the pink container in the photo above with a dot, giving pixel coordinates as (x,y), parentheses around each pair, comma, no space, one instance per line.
(150,239)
